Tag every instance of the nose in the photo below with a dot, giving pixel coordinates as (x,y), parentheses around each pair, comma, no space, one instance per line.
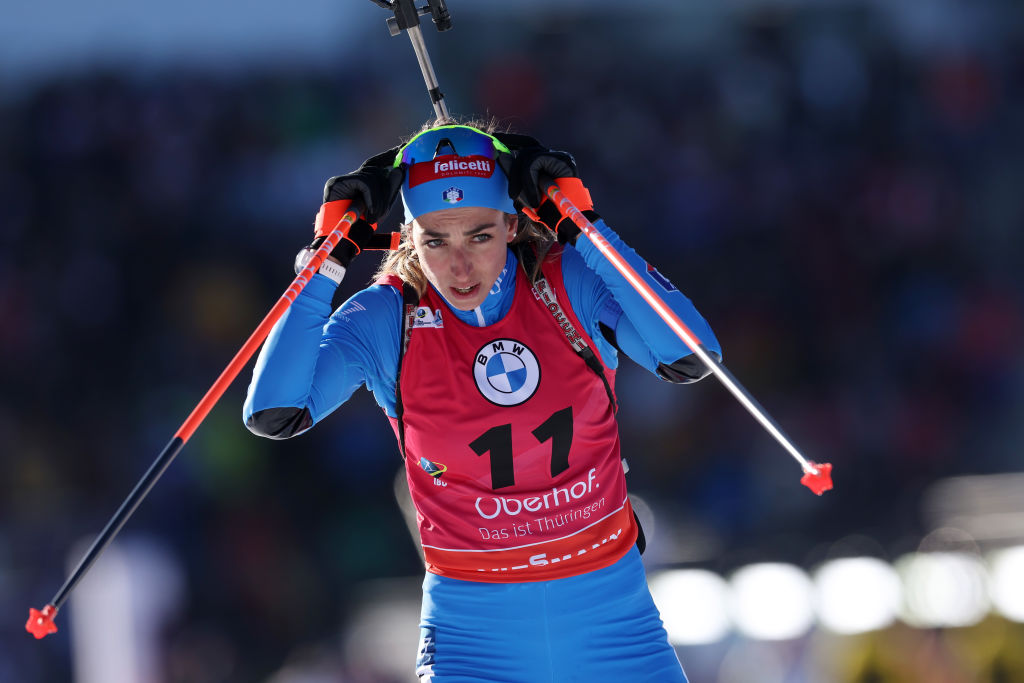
(461,264)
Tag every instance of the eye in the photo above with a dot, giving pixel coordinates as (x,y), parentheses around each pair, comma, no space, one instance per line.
(482,237)
(434,243)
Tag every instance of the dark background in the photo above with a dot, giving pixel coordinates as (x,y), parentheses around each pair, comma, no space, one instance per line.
(837,186)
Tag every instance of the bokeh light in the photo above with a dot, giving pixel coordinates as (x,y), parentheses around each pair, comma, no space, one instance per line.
(772,601)
(693,604)
(943,589)
(857,594)
(1006,582)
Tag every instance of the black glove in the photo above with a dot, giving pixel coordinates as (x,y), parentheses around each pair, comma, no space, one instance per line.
(372,189)
(534,165)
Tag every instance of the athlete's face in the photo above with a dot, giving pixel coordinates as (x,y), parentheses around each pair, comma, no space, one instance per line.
(462,251)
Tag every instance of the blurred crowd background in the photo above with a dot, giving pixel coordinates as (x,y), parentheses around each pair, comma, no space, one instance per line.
(836,185)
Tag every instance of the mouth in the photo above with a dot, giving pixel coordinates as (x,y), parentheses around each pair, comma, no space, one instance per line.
(465,292)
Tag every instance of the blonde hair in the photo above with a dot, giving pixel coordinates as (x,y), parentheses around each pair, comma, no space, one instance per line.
(404,261)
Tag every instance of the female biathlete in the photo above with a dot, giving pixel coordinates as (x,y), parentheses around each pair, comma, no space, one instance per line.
(490,340)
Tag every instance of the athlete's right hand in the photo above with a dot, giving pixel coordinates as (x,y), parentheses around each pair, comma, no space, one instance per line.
(370,190)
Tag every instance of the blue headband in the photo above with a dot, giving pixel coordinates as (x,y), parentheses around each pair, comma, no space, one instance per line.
(453,166)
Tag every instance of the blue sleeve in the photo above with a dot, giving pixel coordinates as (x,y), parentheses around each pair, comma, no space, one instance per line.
(313,360)
(600,294)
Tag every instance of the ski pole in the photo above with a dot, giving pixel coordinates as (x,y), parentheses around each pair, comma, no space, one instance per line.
(40,622)
(816,477)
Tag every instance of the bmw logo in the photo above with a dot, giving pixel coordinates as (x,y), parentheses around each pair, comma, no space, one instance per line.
(506,372)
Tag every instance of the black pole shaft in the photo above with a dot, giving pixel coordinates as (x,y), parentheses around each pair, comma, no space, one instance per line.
(427,69)
(120,517)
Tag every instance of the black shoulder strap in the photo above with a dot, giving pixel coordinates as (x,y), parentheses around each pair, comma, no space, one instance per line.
(530,255)
(528,258)
(410,301)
